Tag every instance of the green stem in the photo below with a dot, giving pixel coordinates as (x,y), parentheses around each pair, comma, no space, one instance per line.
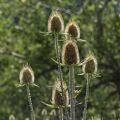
(71,91)
(60,113)
(60,76)
(30,103)
(86,97)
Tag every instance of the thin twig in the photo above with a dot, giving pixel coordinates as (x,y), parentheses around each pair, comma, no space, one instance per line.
(71,91)
(86,96)
(30,102)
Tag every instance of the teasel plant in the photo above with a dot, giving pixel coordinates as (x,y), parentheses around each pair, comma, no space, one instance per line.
(89,68)
(57,99)
(70,58)
(26,79)
(56,26)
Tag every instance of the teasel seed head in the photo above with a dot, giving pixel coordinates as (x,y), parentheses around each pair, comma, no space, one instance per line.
(90,65)
(23,1)
(26,75)
(72,30)
(55,22)
(53,112)
(57,98)
(70,53)
(11,117)
(44,112)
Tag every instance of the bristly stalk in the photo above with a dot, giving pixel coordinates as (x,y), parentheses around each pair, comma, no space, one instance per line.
(60,76)
(57,49)
(86,96)
(61,113)
(71,91)
(30,102)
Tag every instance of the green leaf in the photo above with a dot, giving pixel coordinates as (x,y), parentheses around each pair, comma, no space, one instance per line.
(20,85)
(49,105)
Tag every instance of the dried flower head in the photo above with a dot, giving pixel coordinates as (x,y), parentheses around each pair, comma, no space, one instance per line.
(26,75)
(57,98)
(72,30)
(70,53)
(44,112)
(55,22)
(11,117)
(53,112)
(23,1)
(90,65)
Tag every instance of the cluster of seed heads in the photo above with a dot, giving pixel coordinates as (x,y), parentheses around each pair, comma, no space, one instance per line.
(70,55)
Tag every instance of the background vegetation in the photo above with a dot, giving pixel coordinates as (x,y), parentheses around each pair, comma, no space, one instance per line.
(21,22)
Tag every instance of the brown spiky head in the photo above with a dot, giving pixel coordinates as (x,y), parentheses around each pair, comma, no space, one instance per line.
(26,75)
(70,53)
(72,30)
(55,22)
(90,65)
(57,98)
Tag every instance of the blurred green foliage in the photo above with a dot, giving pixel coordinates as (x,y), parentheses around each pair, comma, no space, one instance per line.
(21,41)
